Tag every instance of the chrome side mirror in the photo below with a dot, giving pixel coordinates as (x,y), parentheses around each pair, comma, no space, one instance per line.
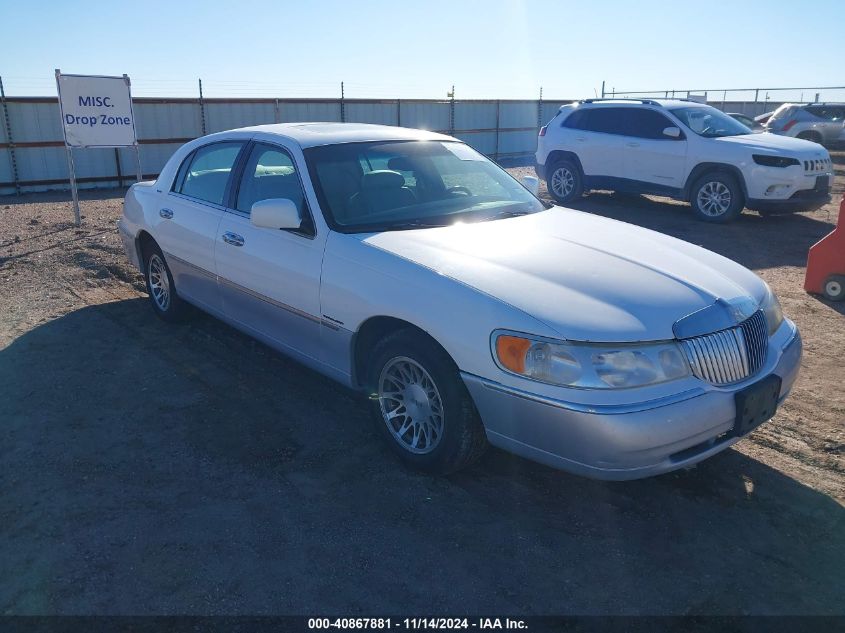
(672,132)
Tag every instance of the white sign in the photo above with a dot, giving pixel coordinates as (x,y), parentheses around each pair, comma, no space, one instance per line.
(96,111)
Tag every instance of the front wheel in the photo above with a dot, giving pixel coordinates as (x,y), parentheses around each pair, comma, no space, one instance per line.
(421,405)
(717,197)
(563,181)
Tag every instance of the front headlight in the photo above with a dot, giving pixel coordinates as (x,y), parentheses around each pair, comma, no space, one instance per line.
(588,365)
(772,310)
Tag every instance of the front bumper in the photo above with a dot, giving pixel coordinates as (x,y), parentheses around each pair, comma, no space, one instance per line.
(621,441)
(804,200)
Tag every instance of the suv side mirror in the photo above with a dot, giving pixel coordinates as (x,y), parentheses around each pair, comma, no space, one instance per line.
(672,132)
(275,213)
(532,184)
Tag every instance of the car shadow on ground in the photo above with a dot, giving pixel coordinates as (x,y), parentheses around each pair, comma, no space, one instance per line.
(189,469)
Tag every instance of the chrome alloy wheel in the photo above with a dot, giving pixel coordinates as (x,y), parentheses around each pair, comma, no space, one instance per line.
(410,405)
(563,182)
(159,282)
(714,198)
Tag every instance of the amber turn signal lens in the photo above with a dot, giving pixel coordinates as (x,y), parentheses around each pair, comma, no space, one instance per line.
(511,352)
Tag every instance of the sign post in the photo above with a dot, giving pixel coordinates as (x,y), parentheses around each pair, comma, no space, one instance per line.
(96,111)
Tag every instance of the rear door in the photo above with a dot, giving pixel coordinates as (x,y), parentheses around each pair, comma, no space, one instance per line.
(270,279)
(188,218)
(594,134)
(651,157)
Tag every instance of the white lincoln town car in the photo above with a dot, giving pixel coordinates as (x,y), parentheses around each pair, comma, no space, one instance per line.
(404,264)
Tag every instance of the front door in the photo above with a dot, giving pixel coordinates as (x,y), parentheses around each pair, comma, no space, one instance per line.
(651,157)
(270,279)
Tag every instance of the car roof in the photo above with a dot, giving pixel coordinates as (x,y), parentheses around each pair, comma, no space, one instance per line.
(314,134)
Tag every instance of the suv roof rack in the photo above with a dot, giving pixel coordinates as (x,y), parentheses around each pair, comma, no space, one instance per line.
(645,101)
(641,100)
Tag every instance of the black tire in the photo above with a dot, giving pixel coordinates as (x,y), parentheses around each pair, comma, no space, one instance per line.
(174,309)
(834,287)
(815,137)
(462,439)
(723,186)
(568,172)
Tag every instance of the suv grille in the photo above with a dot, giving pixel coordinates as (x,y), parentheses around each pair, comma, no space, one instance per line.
(730,355)
(821,164)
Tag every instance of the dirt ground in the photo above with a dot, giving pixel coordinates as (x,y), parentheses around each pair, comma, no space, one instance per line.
(154,469)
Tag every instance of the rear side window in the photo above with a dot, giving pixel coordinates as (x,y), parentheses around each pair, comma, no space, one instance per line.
(828,113)
(607,120)
(208,171)
(577,120)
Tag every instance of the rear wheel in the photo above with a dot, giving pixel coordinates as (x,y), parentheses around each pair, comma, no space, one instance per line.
(834,287)
(717,197)
(167,304)
(563,180)
(421,405)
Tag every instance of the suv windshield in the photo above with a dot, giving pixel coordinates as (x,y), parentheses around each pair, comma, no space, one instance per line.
(710,122)
(383,186)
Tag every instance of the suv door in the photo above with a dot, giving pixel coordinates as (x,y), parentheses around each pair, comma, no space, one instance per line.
(188,218)
(594,135)
(270,279)
(651,157)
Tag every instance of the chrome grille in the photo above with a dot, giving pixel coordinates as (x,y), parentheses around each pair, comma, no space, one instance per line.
(730,355)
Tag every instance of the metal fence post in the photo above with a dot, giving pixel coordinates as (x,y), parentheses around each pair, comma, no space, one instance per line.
(342,104)
(602,89)
(540,110)
(11,141)
(399,112)
(202,109)
(496,153)
(277,115)
(451,96)
(117,167)
(756,95)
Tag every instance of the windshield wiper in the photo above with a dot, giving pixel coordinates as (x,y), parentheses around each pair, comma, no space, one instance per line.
(412,224)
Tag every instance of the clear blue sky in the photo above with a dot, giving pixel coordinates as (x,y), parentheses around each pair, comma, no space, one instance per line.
(489,48)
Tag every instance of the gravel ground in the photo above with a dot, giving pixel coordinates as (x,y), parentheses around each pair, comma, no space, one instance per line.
(153,469)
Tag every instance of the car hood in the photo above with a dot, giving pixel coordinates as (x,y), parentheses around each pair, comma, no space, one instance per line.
(586,277)
(768,141)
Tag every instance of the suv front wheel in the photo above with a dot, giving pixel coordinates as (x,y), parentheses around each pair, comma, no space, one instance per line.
(563,180)
(717,197)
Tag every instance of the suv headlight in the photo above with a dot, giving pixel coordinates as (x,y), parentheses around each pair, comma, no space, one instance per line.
(774,161)
(772,310)
(588,365)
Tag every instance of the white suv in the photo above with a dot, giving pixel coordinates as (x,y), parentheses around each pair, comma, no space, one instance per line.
(680,149)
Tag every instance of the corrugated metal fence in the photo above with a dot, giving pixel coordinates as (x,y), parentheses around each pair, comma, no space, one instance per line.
(33,159)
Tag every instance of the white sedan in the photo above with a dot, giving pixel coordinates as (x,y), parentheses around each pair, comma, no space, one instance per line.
(404,264)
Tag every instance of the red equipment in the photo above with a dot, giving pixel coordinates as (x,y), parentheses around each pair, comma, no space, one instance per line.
(826,263)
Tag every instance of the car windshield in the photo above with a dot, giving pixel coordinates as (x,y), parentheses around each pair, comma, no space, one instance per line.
(710,122)
(394,185)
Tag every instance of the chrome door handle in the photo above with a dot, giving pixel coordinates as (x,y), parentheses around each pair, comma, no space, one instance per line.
(633,144)
(233,238)
(165,213)
(581,138)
